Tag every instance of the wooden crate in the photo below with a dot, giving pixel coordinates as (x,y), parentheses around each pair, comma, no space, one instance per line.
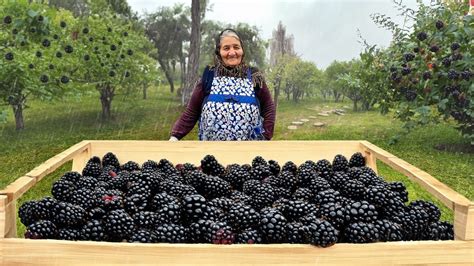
(46,252)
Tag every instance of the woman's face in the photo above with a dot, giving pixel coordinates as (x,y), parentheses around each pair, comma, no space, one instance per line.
(231,52)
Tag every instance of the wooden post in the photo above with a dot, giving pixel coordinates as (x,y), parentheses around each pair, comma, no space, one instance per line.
(7,217)
(464,222)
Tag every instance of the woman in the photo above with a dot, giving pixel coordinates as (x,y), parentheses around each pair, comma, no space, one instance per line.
(231,101)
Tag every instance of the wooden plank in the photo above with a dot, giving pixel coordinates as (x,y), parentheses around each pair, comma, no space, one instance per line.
(79,160)
(370,158)
(464,222)
(16,189)
(56,252)
(442,192)
(56,161)
(7,217)
(225,152)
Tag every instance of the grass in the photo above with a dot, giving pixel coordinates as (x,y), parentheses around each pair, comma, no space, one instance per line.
(51,127)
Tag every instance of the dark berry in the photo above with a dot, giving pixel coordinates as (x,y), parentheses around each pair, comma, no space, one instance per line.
(62,24)
(44,78)
(422,36)
(9,56)
(64,79)
(7,20)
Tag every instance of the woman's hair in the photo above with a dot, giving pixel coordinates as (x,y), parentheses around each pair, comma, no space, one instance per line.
(227,33)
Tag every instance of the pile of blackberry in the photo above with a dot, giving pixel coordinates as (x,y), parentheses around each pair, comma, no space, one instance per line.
(318,202)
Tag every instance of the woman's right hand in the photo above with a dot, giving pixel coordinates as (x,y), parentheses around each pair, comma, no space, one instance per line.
(173,138)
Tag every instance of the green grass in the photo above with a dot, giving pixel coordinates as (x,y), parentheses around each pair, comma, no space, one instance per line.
(51,127)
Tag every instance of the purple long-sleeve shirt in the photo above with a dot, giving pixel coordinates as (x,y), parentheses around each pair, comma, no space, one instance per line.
(191,115)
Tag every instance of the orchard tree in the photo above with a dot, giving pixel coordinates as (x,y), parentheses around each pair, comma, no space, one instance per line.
(332,73)
(431,67)
(34,54)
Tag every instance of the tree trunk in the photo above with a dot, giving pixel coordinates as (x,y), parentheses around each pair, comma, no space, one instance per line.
(193,65)
(168,74)
(355,105)
(18,111)
(106,96)
(145,87)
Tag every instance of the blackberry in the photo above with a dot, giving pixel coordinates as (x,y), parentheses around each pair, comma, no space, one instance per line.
(44,78)
(455,46)
(353,189)
(161,200)
(446,62)
(39,54)
(64,79)
(92,168)
(198,230)
(7,19)
(434,48)
(326,196)
(85,30)
(427,75)
(287,179)
(213,213)
(357,160)
(193,207)
(135,203)
(62,24)
(466,75)
(113,47)
(294,210)
(236,176)
(241,217)
(220,233)
(262,196)
(322,233)
(69,215)
(290,167)
(438,231)
(260,172)
(130,166)
(145,219)
(272,225)
(399,189)
(118,225)
(179,190)
(452,74)
(69,234)
(361,232)
(71,176)
(186,168)
(63,190)
(392,206)
(360,211)
(282,193)
(110,201)
(324,168)
(378,195)
(408,57)
(170,213)
(249,236)
(222,203)
(258,160)
(215,187)
(93,230)
(211,166)
(42,229)
(405,71)
(44,209)
(305,174)
(422,36)
(303,194)
(26,213)
(338,179)
(241,197)
(296,233)
(274,167)
(96,214)
(333,213)
(414,221)
(389,231)
(410,95)
(433,211)
(439,24)
(88,182)
(143,236)
(110,159)
(318,184)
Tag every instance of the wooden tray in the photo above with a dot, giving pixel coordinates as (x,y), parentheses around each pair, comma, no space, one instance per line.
(46,252)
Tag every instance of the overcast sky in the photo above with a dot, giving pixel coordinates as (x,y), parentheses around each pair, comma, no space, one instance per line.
(324,30)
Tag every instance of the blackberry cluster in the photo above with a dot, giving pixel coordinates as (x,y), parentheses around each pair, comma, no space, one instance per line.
(316,202)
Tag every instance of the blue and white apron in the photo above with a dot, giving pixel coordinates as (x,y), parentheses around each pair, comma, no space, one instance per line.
(231,111)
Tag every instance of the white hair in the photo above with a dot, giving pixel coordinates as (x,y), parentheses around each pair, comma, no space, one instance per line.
(229,33)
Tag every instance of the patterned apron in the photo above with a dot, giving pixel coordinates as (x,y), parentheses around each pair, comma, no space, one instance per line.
(231,111)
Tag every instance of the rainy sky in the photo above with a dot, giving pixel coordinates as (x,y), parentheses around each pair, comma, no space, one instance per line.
(324,30)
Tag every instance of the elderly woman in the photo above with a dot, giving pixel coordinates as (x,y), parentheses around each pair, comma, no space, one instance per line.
(231,101)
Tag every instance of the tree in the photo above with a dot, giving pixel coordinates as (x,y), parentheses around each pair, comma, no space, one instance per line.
(33,54)
(332,73)
(280,45)
(193,65)
(168,28)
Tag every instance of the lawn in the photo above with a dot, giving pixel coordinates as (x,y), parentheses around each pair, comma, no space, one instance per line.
(51,127)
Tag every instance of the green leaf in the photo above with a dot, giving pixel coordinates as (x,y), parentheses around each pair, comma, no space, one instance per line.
(32,13)
(442,104)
